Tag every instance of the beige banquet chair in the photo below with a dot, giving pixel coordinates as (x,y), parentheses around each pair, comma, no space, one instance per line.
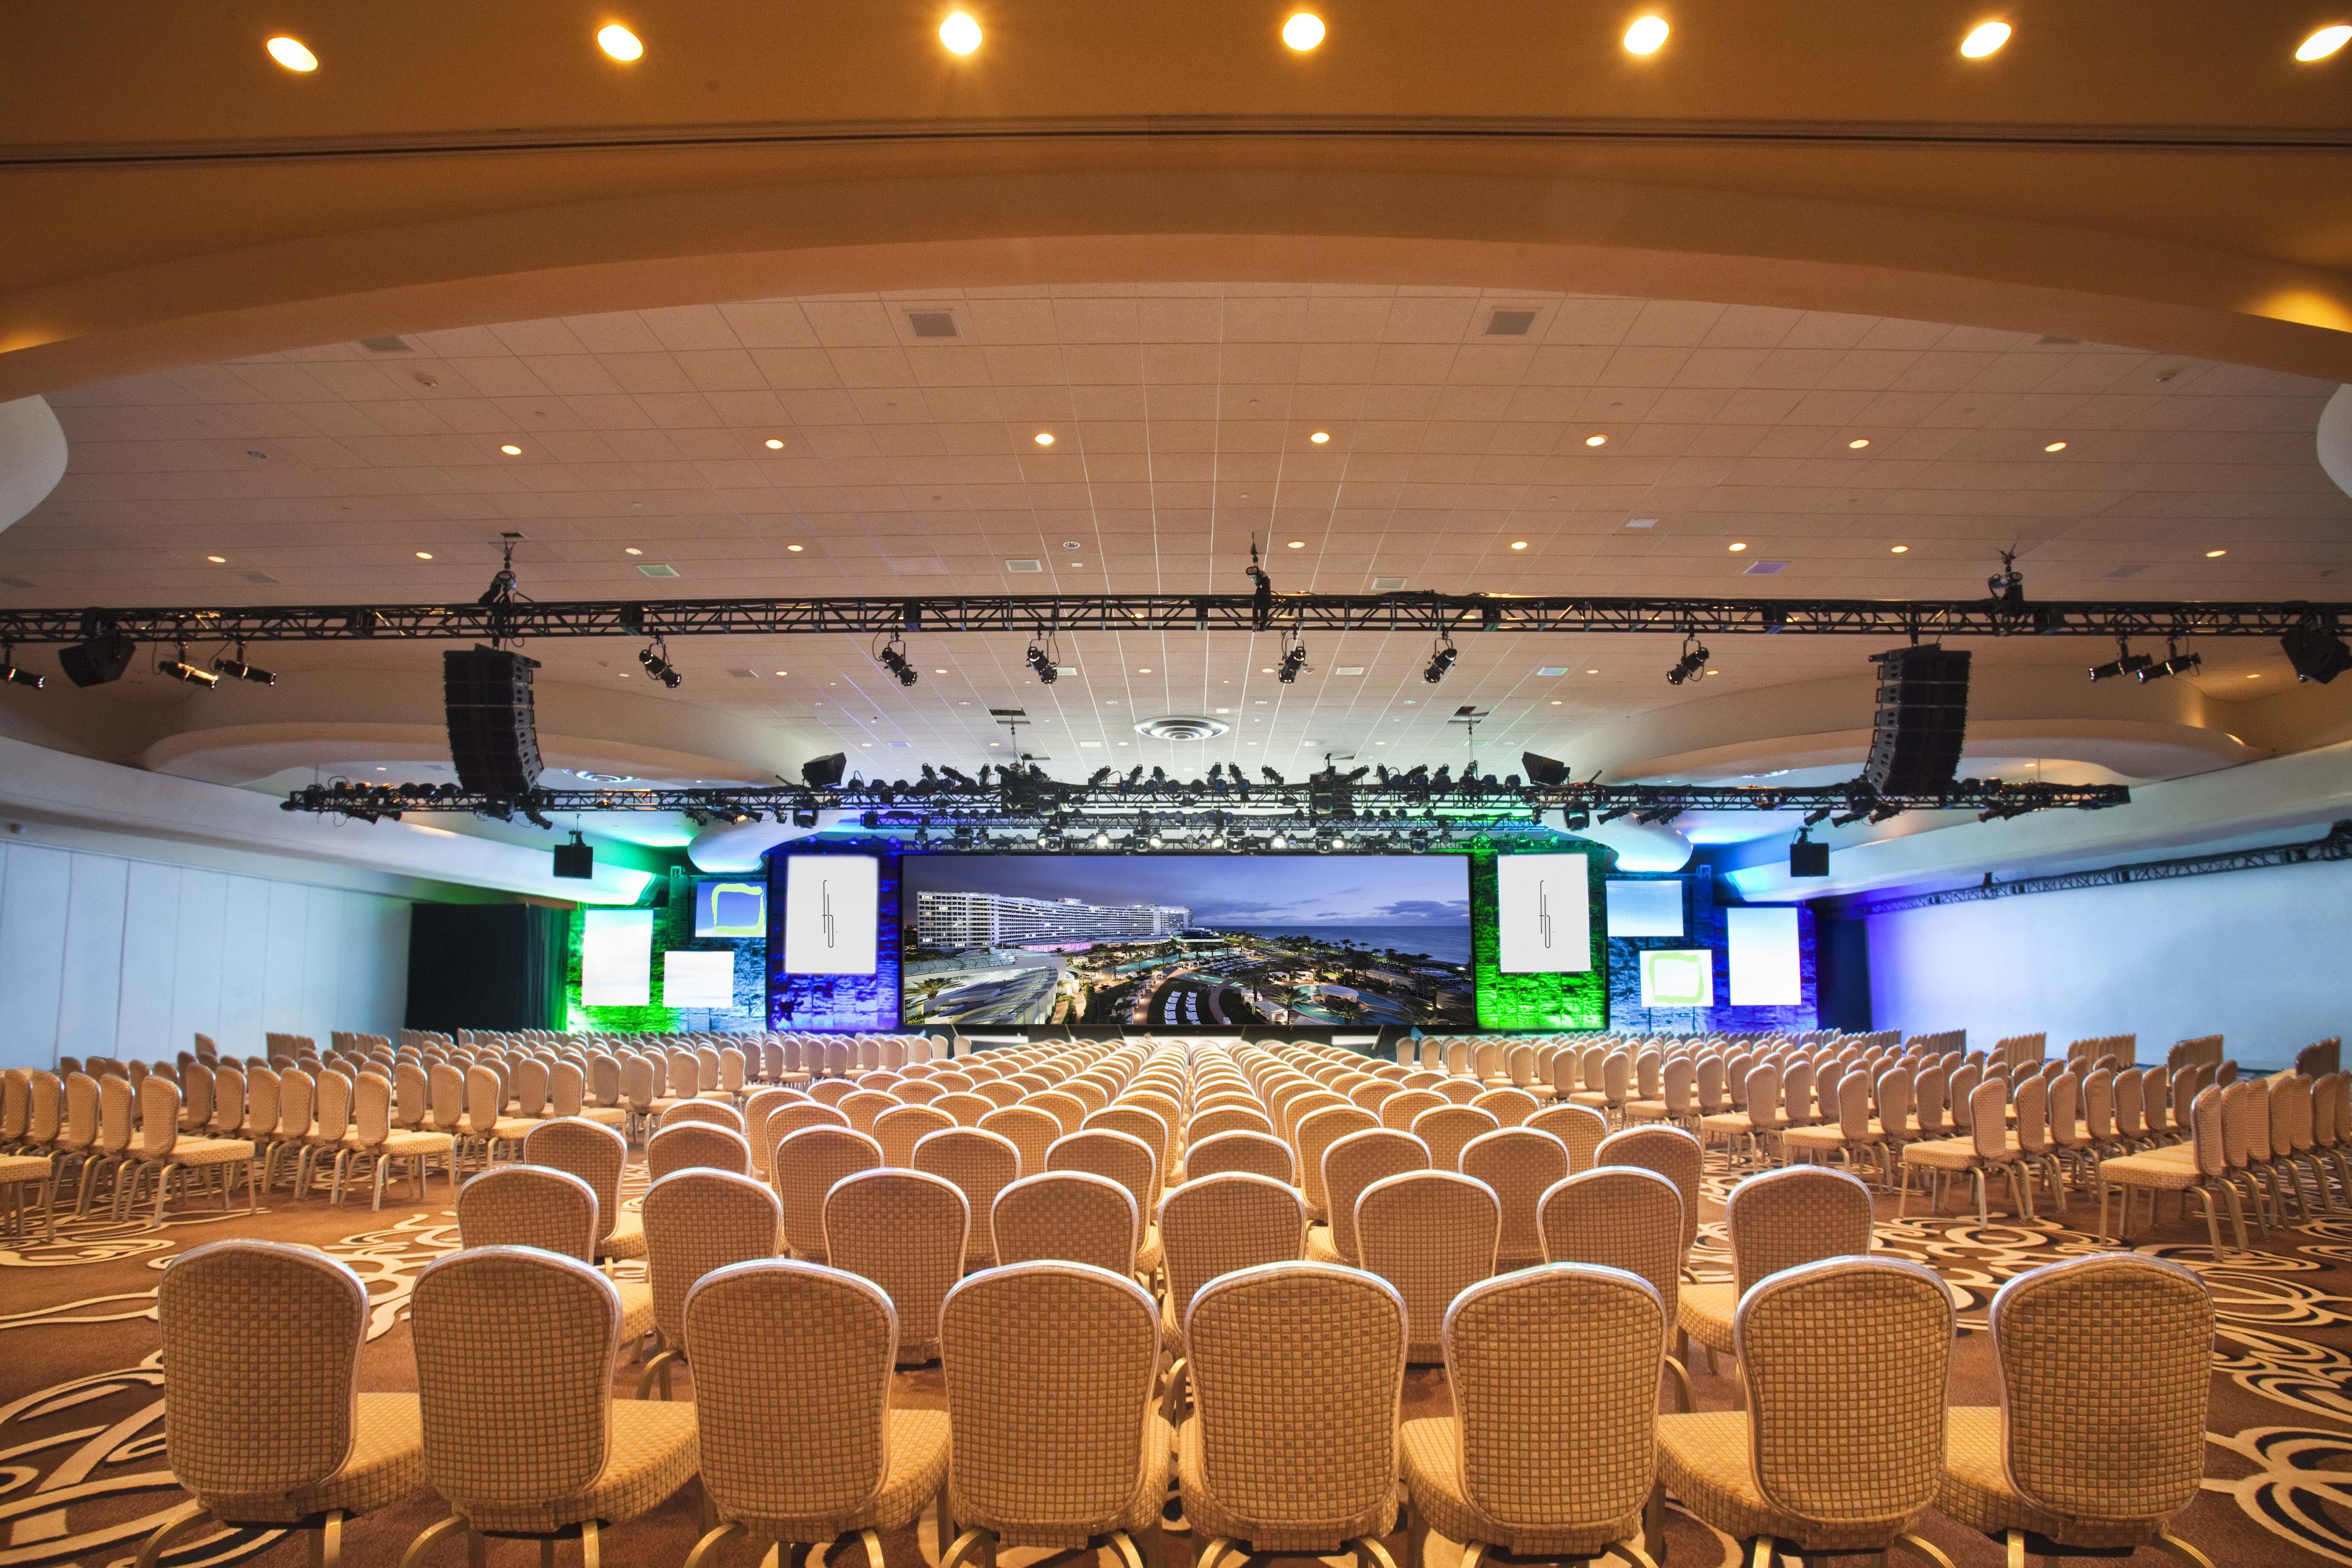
(1550,1452)
(1059,1349)
(1579,1127)
(981,1164)
(2098,1441)
(555,1211)
(1278,1351)
(1622,1216)
(163,1150)
(1431,1233)
(1672,1154)
(523,1437)
(596,1155)
(1072,1217)
(1448,1131)
(906,1231)
(1350,1166)
(805,1166)
(898,1131)
(697,1221)
(1520,1166)
(1775,1221)
(689,1145)
(1217,1224)
(783,1350)
(1030,1131)
(254,1327)
(1260,1154)
(1127,1160)
(1841,1445)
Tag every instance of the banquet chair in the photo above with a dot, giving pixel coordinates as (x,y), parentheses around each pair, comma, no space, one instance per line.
(981,1164)
(1063,1349)
(1261,1153)
(596,1155)
(1350,1166)
(1670,1153)
(1579,1127)
(1279,1351)
(804,1168)
(697,1221)
(1519,1165)
(1798,1214)
(685,1146)
(2098,1441)
(784,1349)
(1430,1233)
(18,1172)
(1216,1224)
(1029,1129)
(1398,1111)
(1509,1107)
(375,1141)
(254,1328)
(1989,1145)
(708,1112)
(1551,1449)
(1127,1160)
(1622,1216)
(523,1436)
(1074,1216)
(1447,1132)
(164,1149)
(906,1231)
(1317,1132)
(555,1211)
(2201,1166)
(899,1130)
(1840,1447)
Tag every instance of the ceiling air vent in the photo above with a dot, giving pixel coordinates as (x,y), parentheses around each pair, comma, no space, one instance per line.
(388,346)
(1024,566)
(1182,727)
(1388,585)
(659,570)
(17,582)
(1510,323)
(1766,569)
(256,577)
(932,323)
(744,674)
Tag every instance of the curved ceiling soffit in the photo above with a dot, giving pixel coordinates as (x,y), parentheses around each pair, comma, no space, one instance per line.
(2335,439)
(32,455)
(2130,749)
(1419,226)
(244,753)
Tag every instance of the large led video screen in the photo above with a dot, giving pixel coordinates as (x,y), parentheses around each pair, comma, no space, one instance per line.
(1187,941)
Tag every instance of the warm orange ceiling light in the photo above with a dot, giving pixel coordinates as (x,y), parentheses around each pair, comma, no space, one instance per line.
(217,560)
(1320,436)
(773,445)
(1646,36)
(425,556)
(960,33)
(1045,437)
(2055,447)
(2319,47)
(1518,544)
(1302,31)
(295,56)
(1596,440)
(1858,443)
(1298,544)
(1736,549)
(795,549)
(511,450)
(2215,555)
(1898,550)
(1985,40)
(619,42)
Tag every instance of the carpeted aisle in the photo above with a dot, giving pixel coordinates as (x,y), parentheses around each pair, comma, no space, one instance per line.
(83,1478)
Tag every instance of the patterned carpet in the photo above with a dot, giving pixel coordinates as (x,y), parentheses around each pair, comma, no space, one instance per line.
(83,1480)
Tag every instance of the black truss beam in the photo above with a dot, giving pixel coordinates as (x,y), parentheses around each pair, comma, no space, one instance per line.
(2335,844)
(1032,801)
(1029,614)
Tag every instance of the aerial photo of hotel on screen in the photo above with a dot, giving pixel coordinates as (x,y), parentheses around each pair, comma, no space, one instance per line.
(1187,941)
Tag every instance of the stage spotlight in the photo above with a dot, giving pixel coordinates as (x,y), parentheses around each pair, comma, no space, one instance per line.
(1102,840)
(2176,663)
(1042,663)
(1294,659)
(892,657)
(1548,772)
(825,773)
(1885,813)
(1848,818)
(1818,815)
(12,675)
(1614,813)
(2312,647)
(1658,815)
(655,657)
(1576,821)
(2126,662)
(181,669)
(803,817)
(1694,660)
(97,660)
(1278,842)
(1441,660)
(237,669)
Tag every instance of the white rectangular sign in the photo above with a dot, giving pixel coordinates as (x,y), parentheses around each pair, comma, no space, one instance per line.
(1677,977)
(829,914)
(1764,969)
(699,980)
(617,958)
(1543,914)
(1646,907)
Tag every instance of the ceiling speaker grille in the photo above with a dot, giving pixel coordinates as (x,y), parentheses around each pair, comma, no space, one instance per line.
(1182,727)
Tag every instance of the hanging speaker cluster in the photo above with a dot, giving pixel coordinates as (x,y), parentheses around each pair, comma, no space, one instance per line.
(493,734)
(1922,719)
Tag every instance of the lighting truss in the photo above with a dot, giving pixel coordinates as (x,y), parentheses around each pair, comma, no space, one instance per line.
(1188,813)
(501,621)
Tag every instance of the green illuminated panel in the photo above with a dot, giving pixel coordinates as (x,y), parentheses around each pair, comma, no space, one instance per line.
(1536,1001)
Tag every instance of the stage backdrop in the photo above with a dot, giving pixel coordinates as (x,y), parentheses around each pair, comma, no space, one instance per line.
(1763,941)
(721,984)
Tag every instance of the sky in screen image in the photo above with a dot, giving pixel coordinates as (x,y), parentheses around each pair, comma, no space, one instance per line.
(1257,892)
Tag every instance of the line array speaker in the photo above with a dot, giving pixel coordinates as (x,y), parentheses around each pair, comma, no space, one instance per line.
(493,735)
(1923,718)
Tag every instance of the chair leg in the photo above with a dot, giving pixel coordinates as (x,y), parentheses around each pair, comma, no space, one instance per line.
(1902,1201)
(711,1540)
(1921,1548)
(2212,1221)
(1977,1177)
(1684,1400)
(327,1541)
(966,1545)
(430,1539)
(2166,1542)
(1416,1535)
(1371,1553)
(176,1523)
(592,1546)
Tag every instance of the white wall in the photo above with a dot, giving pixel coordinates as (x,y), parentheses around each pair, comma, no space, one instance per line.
(114,955)
(2257,957)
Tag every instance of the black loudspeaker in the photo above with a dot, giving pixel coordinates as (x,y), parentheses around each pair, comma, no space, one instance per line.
(576,860)
(97,661)
(1806,858)
(1923,718)
(493,736)
(823,773)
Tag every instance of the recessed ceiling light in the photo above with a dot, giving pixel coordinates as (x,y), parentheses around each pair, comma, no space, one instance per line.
(619,42)
(1045,437)
(1592,672)
(793,548)
(1320,436)
(1596,440)
(2215,555)
(939,672)
(960,33)
(295,56)
(1297,544)
(783,673)
(1858,443)
(1267,670)
(1898,548)
(1518,544)
(1302,31)
(631,550)
(2055,447)
(511,450)
(1986,39)
(2256,676)
(217,560)
(773,445)
(1736,549)
(2318,46)
(622,673)
(425,556)
(1644,37)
